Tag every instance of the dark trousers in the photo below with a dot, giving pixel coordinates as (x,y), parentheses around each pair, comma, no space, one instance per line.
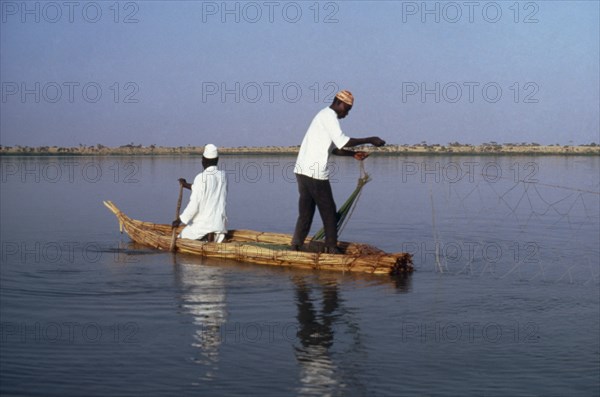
(315,192)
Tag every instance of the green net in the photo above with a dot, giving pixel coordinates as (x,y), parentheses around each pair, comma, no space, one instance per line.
(345,211)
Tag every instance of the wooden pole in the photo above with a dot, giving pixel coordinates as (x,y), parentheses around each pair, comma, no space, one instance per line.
(174,236)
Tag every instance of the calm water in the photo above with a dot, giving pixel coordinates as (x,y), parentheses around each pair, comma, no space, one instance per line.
(505,299)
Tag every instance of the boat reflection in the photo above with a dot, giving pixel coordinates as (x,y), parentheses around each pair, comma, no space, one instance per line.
(203,297)
(326,356)
(402,283)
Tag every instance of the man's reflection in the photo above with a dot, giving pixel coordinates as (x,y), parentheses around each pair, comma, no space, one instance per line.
(204,298)
(319,373)
(315,331)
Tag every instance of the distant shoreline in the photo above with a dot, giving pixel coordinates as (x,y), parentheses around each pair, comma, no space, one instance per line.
(418,149)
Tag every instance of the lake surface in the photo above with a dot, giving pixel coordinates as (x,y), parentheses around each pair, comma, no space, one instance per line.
(504,300)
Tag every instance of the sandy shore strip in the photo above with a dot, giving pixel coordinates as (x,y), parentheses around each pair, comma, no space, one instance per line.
(419,149)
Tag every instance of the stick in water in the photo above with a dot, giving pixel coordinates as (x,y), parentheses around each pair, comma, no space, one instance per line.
(174,236)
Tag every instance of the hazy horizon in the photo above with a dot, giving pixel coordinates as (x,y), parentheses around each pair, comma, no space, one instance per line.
(449,144)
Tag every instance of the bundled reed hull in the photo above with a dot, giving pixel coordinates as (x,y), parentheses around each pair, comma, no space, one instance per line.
(267,249)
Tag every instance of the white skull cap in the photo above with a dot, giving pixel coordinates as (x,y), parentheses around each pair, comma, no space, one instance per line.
(210,151)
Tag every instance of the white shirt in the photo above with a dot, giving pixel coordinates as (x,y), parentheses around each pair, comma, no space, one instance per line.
(205,212)
(323,133)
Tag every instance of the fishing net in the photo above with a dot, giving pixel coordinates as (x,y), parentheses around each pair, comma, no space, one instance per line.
(541,224)
(346,210)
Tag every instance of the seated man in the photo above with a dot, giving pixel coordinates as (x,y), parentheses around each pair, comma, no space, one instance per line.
(205,214)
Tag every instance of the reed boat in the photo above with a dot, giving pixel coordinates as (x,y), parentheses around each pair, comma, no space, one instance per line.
(267,248)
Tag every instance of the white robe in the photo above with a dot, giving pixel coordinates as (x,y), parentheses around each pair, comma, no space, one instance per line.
(205,213)
(323,133)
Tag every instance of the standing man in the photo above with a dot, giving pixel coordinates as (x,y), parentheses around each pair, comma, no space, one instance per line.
(205,214)
(312,175)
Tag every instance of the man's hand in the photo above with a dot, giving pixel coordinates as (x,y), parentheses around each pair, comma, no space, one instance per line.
(176,223)
(184,183)
(360,155)
(376,141)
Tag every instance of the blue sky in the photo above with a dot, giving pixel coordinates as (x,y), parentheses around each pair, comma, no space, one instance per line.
(255,73)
